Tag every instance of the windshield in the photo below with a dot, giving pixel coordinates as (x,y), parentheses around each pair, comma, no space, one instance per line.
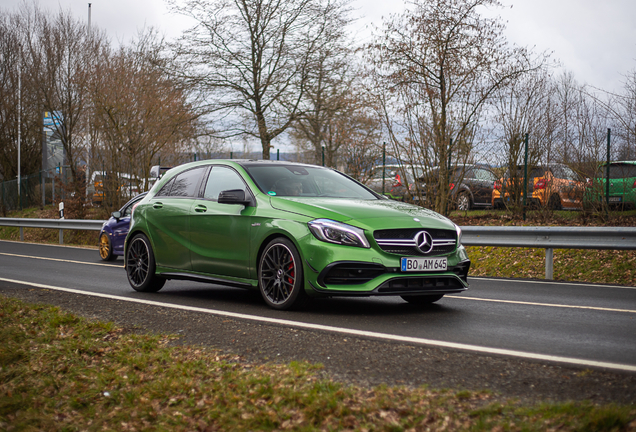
(305,181)
(564,172)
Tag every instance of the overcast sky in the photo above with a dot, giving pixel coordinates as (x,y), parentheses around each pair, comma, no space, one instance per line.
(595,40)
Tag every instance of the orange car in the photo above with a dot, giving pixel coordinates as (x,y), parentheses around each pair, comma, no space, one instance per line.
(555,186)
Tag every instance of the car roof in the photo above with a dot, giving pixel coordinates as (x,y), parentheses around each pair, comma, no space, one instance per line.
(254,162)
(620,162)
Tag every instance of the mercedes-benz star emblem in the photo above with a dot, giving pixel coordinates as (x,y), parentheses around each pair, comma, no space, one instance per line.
(423,242)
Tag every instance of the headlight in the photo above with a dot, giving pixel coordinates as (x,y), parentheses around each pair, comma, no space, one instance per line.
(336,232)
(459,235)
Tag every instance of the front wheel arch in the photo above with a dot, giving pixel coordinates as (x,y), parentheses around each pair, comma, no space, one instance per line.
(297,297)
(265,242)
(141,273)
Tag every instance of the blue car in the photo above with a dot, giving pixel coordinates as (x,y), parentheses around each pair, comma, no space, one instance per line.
(114,230)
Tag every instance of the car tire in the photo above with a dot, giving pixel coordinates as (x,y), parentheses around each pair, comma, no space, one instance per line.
(463,202)
(141,265)
(422,299)
(554,203)
(106,248)
(280,275)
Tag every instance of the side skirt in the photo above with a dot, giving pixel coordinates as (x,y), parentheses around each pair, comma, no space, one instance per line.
(206,279)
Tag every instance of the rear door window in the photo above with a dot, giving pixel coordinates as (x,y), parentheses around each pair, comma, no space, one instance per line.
(619,171)
(186,184)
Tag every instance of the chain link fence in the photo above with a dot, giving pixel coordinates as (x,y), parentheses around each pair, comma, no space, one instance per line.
(36,190)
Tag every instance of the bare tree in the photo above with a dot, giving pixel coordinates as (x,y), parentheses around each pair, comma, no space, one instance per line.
(252,57)
(13,64)
(621,108)
(450,59)
(522,107)
(154,114)
(335,111)
(61,52)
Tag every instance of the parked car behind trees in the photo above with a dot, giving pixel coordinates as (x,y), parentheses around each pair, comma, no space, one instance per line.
(470,186)
(622,187)
(555,186)
(397,182)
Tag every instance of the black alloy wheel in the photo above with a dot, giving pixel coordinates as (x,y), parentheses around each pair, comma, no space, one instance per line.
(554,203)
(280,275)
(140,266)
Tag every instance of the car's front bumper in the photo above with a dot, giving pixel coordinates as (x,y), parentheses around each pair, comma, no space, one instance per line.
(334,270)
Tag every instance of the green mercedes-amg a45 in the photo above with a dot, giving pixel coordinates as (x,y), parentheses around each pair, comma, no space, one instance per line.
(292,231)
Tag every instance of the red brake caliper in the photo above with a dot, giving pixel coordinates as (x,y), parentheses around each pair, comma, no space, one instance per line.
(291,273)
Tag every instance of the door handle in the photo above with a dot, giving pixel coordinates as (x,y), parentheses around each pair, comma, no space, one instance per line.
(157,205)
(200,208)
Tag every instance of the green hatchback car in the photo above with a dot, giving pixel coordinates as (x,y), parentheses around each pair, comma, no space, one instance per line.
(292,231)
(622,185)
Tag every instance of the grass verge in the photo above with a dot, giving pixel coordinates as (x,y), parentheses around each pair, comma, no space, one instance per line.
(60,372)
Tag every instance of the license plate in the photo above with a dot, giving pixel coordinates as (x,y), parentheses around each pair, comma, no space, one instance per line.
(423,264)
(615,199)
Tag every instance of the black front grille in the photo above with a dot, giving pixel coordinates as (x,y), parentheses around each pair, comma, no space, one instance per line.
(350,273)
(420,284)
(402,241)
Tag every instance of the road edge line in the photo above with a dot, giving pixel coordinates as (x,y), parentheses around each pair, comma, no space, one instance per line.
(351,332)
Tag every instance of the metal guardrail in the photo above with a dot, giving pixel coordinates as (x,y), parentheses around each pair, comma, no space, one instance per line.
(551,237)
(61,224)
(548,238)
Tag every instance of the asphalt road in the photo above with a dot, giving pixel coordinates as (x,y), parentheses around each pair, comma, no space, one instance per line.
(577,324)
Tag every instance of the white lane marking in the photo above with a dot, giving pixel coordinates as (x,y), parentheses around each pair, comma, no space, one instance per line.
(353,332)
(552,282)
(541,304)
(60,260)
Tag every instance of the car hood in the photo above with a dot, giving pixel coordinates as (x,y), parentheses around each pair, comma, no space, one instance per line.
(377,214)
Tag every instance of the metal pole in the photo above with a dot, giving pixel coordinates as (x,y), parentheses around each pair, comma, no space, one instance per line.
(607,175)
(383,165)
(450,153)
(90,147)
(277,154)
(323,155)
(43,183)
(525,178)
(19,132)
(549,263)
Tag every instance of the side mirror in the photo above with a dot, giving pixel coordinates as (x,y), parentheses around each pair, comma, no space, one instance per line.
(234,196)
(116,214)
